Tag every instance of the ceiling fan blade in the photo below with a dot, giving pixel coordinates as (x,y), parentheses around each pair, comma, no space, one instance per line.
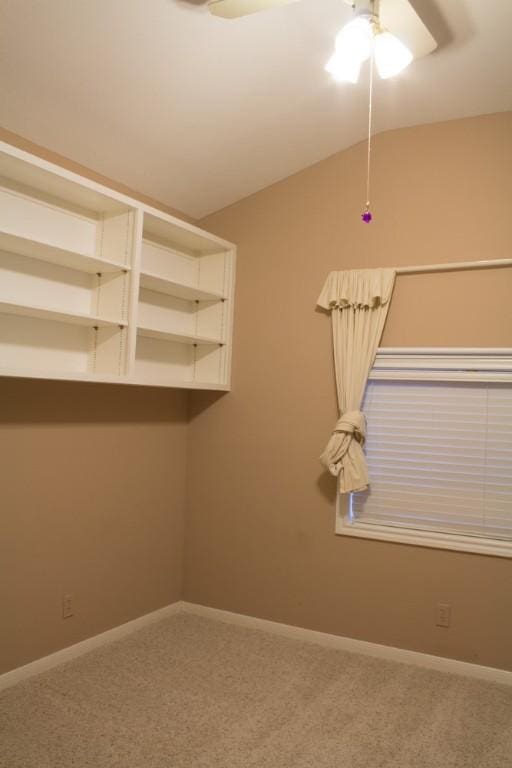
(232,9)
(400,18)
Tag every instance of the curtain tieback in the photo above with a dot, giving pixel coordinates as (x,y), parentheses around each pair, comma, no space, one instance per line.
(351,425)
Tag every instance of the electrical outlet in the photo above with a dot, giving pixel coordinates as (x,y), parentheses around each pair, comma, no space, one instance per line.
(444,611)
(67,606)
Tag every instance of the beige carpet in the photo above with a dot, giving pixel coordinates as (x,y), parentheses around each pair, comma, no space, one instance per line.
(190,692)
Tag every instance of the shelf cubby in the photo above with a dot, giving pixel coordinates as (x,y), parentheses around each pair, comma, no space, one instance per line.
(37,344)
(58,231)
(161,360)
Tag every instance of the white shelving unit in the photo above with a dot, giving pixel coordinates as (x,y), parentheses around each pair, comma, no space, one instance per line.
(96,286)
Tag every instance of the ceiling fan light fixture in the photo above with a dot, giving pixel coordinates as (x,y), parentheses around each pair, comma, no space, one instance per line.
(391,55)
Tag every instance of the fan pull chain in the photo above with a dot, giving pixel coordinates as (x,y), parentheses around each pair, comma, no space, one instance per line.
(366,216)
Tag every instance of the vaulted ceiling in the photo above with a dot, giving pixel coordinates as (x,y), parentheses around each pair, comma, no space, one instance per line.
(198,111)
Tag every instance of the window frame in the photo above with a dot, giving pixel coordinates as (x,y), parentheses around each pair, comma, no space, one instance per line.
(445,364)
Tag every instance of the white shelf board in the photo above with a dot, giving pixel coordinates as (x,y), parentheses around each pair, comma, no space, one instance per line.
(162,285)
(104,378)
(44,252)
(167,230)
(43,313)
(59,375)
(157,381)
(180,338)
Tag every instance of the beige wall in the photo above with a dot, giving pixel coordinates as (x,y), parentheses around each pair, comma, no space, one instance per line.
(92,504)
(260,516)
(92,500)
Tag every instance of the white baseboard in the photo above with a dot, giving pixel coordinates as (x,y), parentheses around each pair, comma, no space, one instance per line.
(78,649)
(356,646)
(286,630)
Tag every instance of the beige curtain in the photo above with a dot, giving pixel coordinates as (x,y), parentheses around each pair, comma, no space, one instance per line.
(359,301)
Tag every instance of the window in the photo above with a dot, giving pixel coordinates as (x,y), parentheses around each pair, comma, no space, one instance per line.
(439,451)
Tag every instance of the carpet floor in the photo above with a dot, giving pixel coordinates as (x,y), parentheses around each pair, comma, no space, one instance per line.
(191,692)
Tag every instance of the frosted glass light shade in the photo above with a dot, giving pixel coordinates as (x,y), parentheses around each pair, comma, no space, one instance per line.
(355,40)
(343,68)
(391,55)
(354,45)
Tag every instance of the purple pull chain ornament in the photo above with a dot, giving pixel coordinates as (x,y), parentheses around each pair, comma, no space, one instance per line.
(366,216)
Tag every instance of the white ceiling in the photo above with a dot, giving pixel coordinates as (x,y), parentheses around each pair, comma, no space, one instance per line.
(198,111)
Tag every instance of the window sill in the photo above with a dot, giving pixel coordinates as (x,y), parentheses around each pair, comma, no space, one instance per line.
(432,539)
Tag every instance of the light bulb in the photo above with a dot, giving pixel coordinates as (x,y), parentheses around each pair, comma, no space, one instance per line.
(343,68)
(391,55)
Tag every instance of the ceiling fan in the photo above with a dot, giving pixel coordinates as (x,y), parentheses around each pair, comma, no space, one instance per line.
(394,26)
(389,33)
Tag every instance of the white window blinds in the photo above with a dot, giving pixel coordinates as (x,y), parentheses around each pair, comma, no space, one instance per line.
(439,457)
